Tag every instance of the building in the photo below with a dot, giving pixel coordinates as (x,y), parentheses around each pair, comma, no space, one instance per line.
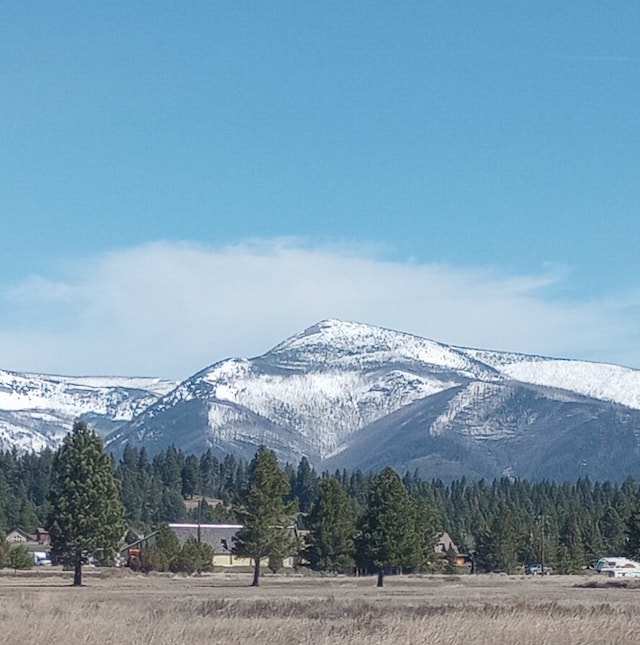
(18,536)
(218,536)
(445,545)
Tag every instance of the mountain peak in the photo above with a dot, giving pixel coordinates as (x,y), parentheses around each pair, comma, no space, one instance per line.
(346,344)
(347,394)
(365,396)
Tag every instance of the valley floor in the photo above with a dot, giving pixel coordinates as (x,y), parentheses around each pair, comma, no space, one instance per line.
(118,606)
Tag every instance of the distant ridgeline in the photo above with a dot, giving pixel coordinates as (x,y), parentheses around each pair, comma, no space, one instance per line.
(504,522)
(354,396)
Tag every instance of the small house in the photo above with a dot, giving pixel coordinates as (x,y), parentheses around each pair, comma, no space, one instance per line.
(42,536)
(218,536)
(445,545)
(18,536)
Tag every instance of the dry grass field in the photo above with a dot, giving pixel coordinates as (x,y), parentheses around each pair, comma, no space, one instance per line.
(117,606)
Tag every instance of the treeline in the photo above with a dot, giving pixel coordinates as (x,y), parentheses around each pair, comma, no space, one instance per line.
(501,524)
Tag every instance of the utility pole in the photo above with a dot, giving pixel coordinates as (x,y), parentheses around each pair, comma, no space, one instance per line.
(542,544)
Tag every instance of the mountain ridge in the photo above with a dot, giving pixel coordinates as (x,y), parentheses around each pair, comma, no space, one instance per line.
(313,393)
(345,394)
(37,410)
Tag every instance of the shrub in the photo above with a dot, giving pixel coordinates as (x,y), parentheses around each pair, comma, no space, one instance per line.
(194,557)
(20,558)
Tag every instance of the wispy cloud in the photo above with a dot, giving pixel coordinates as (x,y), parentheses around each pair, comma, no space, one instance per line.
(170,309)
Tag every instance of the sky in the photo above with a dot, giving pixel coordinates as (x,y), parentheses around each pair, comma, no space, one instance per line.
(182,182)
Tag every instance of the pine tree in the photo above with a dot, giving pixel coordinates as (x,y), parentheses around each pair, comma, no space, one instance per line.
(633,536)
(20,558)
(162,553)
(613,531)
(171,506)
(507,539)
(332,529)
(573,555)
(28,518)
(266,519)
(304,485)
(131,476)
(421,548)
(86,516)
(194,557)
(4,549)
(387,538)
(190,476)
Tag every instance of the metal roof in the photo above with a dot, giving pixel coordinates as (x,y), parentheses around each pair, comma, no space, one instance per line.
(218,536)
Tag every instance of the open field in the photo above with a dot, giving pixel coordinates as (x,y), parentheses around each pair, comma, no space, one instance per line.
(117,606)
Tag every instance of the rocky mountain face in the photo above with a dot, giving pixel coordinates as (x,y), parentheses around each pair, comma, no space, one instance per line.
(36,411)
(347,395)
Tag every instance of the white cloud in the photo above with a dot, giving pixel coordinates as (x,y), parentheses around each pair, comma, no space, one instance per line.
(171,309)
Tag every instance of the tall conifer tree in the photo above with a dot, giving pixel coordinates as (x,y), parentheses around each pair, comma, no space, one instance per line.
(499,545)
(332,526)
(388,538)
(86,516)
(266,519)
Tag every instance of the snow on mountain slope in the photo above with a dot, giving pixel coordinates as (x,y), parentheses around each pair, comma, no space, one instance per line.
(38,410)
(356,345)
(501,429)
(79,395)
(119,398)
(156,386)
(318,387)
(27,431)
(319,402)
(475,401)
(315,392)
(348,345)
(333,401)
(596,380)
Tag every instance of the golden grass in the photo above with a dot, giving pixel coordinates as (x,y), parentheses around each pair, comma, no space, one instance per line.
(119,607)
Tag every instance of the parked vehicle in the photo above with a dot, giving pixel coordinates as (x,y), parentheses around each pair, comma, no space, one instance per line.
(618,567)
(538,570)
(41,559)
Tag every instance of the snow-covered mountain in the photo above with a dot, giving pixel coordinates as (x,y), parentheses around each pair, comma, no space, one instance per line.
(36,411)
(352,395)
(348,395)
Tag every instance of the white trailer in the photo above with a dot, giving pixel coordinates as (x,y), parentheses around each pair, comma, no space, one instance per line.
(617,567)
(41,559)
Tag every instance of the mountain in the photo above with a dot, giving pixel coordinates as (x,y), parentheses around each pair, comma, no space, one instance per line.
(36,411)
(348,395)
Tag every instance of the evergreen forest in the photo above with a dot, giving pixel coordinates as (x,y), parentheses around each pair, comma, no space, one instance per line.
(502,524)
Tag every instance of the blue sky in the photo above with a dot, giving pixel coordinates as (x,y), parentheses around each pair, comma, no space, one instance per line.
(182,182)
